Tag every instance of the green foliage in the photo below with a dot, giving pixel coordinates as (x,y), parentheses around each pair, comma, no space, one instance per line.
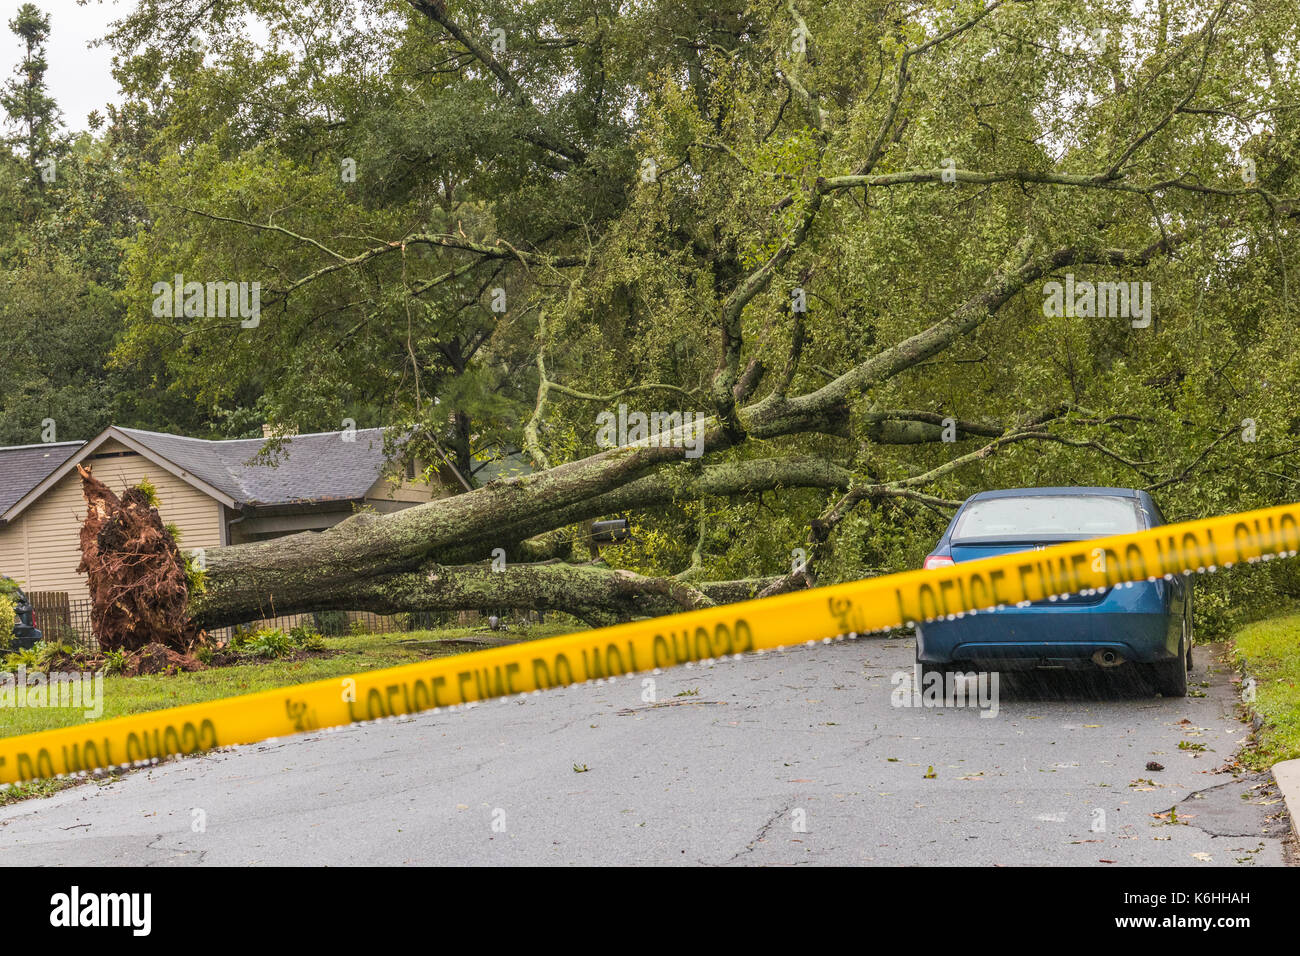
(699,95)
(48,651)
(306,637)
(7,619)
(195,575)
(275,642)
(65,206)
(241,635)
(146,488)
(114,661)
(24,97)
(269,642)
(27,657)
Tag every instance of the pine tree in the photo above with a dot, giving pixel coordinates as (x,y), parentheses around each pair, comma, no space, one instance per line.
(25,97)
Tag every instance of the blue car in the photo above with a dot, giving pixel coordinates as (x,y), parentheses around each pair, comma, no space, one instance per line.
(1146,625)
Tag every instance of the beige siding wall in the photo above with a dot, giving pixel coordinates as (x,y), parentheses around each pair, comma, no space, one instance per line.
(41,547)
(13,552)
(386,491)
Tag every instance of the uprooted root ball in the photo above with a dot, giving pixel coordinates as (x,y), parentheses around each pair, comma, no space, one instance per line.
(138,586)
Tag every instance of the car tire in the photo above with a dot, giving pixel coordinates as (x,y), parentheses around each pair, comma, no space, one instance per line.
(1170,677)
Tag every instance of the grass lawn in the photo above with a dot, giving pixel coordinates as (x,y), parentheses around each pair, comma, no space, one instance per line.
(351,653)
(1269,651)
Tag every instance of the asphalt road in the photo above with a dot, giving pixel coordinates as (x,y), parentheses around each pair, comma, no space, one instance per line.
(796,757)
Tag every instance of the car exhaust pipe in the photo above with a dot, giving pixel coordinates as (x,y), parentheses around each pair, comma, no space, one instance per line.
(1107,659)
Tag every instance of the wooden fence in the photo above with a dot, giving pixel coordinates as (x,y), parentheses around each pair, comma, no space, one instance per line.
(62,620)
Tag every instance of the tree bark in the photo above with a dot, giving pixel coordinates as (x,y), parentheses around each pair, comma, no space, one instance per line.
(595,593)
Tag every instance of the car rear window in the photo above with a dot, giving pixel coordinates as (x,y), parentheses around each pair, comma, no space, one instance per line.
(1084,516)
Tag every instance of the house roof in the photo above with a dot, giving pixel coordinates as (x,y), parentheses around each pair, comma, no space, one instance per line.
(326,466)
(23,467)
(321,467)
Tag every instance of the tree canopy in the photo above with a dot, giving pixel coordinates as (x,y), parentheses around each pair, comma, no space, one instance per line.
(843,232)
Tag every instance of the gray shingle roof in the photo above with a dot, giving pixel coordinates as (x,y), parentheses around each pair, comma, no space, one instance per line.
(319,467)
(24,467)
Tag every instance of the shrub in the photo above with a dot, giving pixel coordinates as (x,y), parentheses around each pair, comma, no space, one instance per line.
(270,643)
(240,636)
(114,662)
(28,657)
(307,638)
(302,633)
(7,619)
(48,651)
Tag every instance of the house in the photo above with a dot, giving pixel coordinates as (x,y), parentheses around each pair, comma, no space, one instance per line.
(213,491)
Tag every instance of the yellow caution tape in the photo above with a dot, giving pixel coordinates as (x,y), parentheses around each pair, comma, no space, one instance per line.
(841,610)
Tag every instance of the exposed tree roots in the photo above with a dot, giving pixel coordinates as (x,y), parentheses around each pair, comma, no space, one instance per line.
(138,588)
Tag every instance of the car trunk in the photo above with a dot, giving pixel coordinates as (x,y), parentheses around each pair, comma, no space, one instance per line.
(990,549)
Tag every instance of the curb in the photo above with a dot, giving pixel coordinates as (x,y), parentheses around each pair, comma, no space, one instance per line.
(1287,775)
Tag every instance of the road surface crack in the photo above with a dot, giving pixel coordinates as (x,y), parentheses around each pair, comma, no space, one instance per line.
(762,833)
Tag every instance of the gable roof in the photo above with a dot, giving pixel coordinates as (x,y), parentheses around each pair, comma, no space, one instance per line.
(23,467)
(316,468)
(325,466)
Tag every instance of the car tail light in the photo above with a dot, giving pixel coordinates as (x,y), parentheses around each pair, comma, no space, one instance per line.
(937,561)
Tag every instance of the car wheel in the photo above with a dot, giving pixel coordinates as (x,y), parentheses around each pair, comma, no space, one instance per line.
(1170,677)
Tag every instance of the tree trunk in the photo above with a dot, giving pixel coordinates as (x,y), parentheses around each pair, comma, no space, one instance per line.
(597,594)
(394,562)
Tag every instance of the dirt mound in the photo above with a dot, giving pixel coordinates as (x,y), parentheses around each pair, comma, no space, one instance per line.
(157,659)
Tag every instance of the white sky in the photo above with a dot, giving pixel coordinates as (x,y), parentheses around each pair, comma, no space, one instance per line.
(79,78)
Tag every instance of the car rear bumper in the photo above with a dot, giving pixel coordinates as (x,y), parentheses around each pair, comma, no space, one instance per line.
(1049,637)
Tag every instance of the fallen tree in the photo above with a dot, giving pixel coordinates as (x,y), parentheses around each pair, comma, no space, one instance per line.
(751,178)
(396,562)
